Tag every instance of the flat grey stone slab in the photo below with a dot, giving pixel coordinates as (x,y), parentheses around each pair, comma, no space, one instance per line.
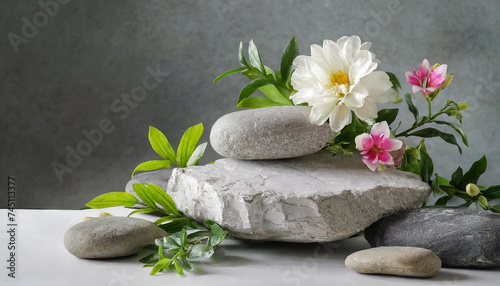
(268,133)
(461,237)
(314,198)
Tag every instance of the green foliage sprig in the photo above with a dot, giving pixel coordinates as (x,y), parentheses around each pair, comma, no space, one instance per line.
(188,153)
(173,252)
(275,86)
(187,239)
(460,183)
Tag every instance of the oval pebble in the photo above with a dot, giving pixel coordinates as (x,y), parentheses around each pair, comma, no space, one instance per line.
(108,237)
(395,260)
(268,133)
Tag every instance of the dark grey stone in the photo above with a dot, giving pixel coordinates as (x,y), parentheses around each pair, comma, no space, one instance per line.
(108,237)
(464,238)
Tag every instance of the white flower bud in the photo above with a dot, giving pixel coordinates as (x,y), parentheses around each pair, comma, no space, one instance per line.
(483,201)
(472,190)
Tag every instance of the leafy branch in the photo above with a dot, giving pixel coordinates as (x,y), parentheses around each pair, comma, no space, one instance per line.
(173,251)
(275,86)
(188,154)
(451,108)
(464,186)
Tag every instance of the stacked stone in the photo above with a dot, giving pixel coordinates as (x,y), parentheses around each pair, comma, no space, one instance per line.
(276,184)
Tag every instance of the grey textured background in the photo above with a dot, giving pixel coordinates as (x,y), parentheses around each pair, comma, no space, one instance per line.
(65,78)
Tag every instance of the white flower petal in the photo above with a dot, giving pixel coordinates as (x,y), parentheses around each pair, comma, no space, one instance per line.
(351,48)
(320,113)
(303,96)
(317,52)
(340,117)
(367,111)
(334,58)
(365,46)
(379,87)
(355,100)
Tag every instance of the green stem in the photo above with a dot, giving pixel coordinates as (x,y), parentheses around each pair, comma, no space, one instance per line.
(430,106)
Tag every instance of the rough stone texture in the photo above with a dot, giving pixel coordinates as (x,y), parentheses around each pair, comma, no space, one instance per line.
(395,260)
(307,199)
(460,237)
(108,237)
(268,133)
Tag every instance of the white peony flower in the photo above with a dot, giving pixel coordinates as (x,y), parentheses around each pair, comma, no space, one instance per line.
(340,77)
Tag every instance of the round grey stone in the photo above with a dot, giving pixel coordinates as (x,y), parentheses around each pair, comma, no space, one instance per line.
(402,261)
(108,237)
(461,237)
(268,133)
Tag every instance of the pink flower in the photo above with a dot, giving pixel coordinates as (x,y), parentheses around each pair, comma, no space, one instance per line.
(375,147)
(426,79)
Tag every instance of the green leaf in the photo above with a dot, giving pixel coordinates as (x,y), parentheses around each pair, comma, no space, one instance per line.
(178,268)
(271,92)
(252,74)
(251,87)
(113,199)
(217,235)
(143,211)
(495,208)
(426,165)
(196,156)
(188,144)
(175,225)
(145,195)
(492,192)
(388,115)
(183,237)
(254,57)
(163,199)
(168,243)
(257,102)
(411,161)
(457,128)
(151,165)
(411,105)
(160,252)
(160,265)
(228,73)
(161,145)
(289,54)
(457,176)
(201,251)
(437,183)
(397,100)
(394,80)
(475,171)
(442,201)
(432,132)
(241,56)
(165,219)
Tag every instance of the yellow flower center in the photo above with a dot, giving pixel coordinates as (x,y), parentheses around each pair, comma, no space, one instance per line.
(336,79)
(339,78)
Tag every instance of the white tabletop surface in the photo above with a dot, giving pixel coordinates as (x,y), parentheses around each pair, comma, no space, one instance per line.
(41,259)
